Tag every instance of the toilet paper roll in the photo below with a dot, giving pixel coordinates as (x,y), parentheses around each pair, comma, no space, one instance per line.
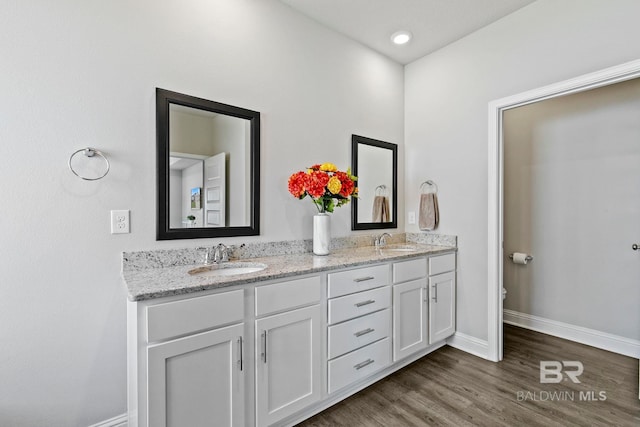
(520,258)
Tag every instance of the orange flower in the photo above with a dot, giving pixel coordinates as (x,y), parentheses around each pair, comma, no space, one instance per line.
(296,184)
(315,183)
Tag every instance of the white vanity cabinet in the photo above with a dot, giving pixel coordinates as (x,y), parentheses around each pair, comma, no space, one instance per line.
(359,324)
(197,380)
(288,348)
(442,297)
(272,353)
(424,303)
(409,307)
(189,362)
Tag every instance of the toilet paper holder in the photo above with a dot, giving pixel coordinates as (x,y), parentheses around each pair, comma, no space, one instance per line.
(528,257)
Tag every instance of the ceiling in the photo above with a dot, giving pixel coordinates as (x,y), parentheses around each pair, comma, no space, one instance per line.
(433,23)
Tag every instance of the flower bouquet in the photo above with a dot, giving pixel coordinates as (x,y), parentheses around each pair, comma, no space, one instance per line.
(325,185)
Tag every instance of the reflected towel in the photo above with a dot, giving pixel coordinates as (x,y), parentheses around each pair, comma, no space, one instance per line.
(380,209)
(429,216)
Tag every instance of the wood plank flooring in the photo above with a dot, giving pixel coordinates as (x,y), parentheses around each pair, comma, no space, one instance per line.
(453,388)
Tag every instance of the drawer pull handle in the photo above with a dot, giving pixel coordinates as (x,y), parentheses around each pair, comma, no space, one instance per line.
(363,279)
(360,304)
(435,293)
(363,364)
(364,332)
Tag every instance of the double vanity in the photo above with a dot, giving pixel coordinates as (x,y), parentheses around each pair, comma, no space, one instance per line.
(272,340)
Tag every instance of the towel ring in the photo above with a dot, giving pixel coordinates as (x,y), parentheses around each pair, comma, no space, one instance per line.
(430,184)
(383,190)
(90,152)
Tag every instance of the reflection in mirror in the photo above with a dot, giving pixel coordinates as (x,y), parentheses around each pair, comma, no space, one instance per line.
(208,157)
(375,164)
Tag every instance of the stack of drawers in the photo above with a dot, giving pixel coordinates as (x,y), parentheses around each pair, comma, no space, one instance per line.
(359,319)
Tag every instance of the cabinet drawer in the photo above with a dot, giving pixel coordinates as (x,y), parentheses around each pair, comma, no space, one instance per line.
(186,316)
(442,263)
(359,364)
(409,270)
(359,332)
(356,280)
(350,306)
(287,295)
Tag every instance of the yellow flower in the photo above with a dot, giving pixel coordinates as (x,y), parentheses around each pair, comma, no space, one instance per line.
(334,185)
(328,167)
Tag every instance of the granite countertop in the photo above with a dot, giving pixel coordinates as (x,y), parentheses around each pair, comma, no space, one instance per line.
(149,283)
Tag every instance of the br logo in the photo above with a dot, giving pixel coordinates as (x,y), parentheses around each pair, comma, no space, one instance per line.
(551,371)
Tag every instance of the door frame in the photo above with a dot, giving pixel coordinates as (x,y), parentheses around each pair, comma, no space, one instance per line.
(605,77)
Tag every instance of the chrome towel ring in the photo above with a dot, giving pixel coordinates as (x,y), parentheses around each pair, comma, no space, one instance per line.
(432,187)
(90,152)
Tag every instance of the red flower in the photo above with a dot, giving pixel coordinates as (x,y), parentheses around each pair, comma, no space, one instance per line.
(347,184)
(296,184)
(316,182)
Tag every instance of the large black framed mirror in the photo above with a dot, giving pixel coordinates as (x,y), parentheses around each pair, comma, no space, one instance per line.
(208,168)
(375,163)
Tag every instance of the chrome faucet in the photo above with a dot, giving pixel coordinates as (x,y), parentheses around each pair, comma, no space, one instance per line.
(216,254)
(381,240)
(220,253)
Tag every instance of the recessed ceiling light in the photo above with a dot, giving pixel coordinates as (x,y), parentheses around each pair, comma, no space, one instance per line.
(401,37)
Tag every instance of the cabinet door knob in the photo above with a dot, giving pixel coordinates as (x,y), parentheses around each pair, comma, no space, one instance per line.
(435,293)
(240,358)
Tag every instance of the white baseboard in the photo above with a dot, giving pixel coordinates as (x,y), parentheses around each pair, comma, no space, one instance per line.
(119,421)
(598,339)
(469,344)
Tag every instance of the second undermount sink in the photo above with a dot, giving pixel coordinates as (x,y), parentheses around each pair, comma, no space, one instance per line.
(228,269)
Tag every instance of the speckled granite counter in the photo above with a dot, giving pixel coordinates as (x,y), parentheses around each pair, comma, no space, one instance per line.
(149,282)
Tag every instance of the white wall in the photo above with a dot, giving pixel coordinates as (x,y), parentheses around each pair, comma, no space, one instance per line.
(78,74)
(446,98)
(572,199)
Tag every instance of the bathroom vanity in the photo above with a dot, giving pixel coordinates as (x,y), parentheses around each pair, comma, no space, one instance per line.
(276,346)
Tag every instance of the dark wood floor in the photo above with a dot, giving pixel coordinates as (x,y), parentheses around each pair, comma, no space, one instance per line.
(453,388)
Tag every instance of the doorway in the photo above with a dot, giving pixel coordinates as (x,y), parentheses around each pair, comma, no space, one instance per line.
(572,204)
(496,255)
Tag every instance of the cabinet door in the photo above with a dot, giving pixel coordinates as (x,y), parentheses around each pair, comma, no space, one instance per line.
(197,380)
(409,318)
(288,364)
(442,306)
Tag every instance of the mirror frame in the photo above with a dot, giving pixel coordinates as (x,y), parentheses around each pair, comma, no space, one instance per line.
(355,225)
(163,231)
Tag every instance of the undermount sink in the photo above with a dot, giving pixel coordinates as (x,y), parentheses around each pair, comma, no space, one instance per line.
(228,269)
(399,248)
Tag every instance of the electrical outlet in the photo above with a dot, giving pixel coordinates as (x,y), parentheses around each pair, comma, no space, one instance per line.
(120,222)
(411,217)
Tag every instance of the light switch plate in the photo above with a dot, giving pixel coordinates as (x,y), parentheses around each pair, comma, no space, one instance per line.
(411,217)
(120,222)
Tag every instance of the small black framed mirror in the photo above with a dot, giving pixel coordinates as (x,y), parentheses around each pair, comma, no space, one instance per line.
(208,168)
(375,163)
